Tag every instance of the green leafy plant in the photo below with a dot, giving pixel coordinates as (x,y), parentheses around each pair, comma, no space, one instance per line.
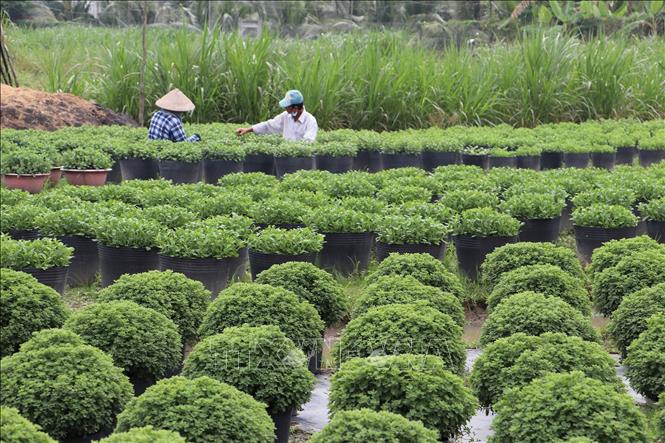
(86,158)
(95,391)
(486,222)
(604,216)
(146,434)
(350,184)
(198,242)
(142,341)
(461,200)
(613,251)
(253,179)
(410,229)
(144,150)
(334,219)
(20,217)
(397,194)
(179,298)
(336,149)
(70,221)
(310,284)
(418,387)
(286,241)
(653,210)
(24,163)
(293,149)
(277,376)
(183,152)
(42,253)
(535,314)
(534,206)
(223,151)
(15,428)
(645,364)
(47,338)
(544,410)
(132,232)
(12,197)
(256,305)
(169,216)
(607,195)
(277,211)
(514,361)
(661,417)
(214,412)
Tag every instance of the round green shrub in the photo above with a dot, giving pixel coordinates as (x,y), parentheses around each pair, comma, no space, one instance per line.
(146,434)
(613,251)
(661,417)
(512,256)
(27,306)
(42,253)
(202,410)
(645,364)
(69,391)
(418,387)
(179,298)
(16,429)
(654,210)
(630,318)
(560,406)
(51,337)
(310,284)
(516,360)
(424,268)
(534,314)
(260,361)
(365,425)
(635,272)
(549,280)
(255,304)
(141,340)
(396,329)
(389,289)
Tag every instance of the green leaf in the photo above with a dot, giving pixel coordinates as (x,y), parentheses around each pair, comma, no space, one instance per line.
(544,15)
(559,11)
(654,6)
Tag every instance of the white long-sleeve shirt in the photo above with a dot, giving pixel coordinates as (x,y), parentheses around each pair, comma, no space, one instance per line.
(305,128)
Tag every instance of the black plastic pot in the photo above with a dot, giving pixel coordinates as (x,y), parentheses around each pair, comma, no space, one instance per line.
(179,171)
(287,165)
(282,422)
(334,164)
(259,261)
(85,262)
(212,272)
(361,161)
(259,163)
(540,230)
(113,262)
(375,161)
(141,383)
(346,252)
(401,160)
(471,251)
(238,265)
(214,169)
(481,160)
(54,277)
(115,174)
(566,219)
(24,234)
(656,230)
(625,156)
(315,359)
(648,158)
(501,162)
(88,438)
(588,239)
(605,160)
(138,168)
(529,162)
(434,159)
(385,249)
(576,159)
(551,160)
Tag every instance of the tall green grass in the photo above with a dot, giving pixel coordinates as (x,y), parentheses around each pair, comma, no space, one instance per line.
(376,80)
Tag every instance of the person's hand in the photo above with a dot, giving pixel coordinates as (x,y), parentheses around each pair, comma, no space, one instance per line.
(243,131)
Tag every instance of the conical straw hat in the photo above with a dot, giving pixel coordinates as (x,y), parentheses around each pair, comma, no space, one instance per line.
(175,101)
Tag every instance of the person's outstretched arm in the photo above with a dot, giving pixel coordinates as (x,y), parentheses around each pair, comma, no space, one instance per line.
(272,126)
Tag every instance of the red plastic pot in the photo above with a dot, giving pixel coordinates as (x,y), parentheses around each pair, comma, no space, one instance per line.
(54,176)
(32,183)
(86,177)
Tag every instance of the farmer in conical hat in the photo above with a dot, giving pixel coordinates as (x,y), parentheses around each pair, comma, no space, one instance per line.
(166,124)
(294,123)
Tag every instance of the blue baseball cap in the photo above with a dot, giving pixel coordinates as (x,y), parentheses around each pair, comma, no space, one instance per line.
(292,97)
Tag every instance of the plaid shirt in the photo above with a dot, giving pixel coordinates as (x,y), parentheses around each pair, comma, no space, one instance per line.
(167,126)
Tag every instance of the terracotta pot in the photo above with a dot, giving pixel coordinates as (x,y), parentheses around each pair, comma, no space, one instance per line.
(54,176)
(86,177)
(32,183)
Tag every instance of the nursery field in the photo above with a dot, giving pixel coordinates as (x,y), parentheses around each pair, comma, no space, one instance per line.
(202,292)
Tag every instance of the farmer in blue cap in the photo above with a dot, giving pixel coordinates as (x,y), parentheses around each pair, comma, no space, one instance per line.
(295,123)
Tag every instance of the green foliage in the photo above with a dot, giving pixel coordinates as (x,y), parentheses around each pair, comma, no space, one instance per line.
(534,206)
(363,425)
(286,241)
(86,158)
(424,268)
(169,216)
(516,360)
(132,232)
(607,195)
(293,149)
(645,364)
(140,340)
(202,410)
(24,162)
(20,217)
(600,215)
(334,219)
(549,280)
(398,193)
(634,272)
(654,210)
(463,199)
(410,229)
(389,289)
(146,434)
(310,284)
(69,221)
(69,391)
(276,211)
(256,305)
(179,298)
(403,329)
(418,387)
(512,256)
(534,314)
(486,222)
(47,338)
(629,320)
(222,151)
(336,149)
(12,197)
(199,242)
(545,410)
(42,253)
(184,152)
(661,417)
(260,361)
(613,251)
(16,429)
